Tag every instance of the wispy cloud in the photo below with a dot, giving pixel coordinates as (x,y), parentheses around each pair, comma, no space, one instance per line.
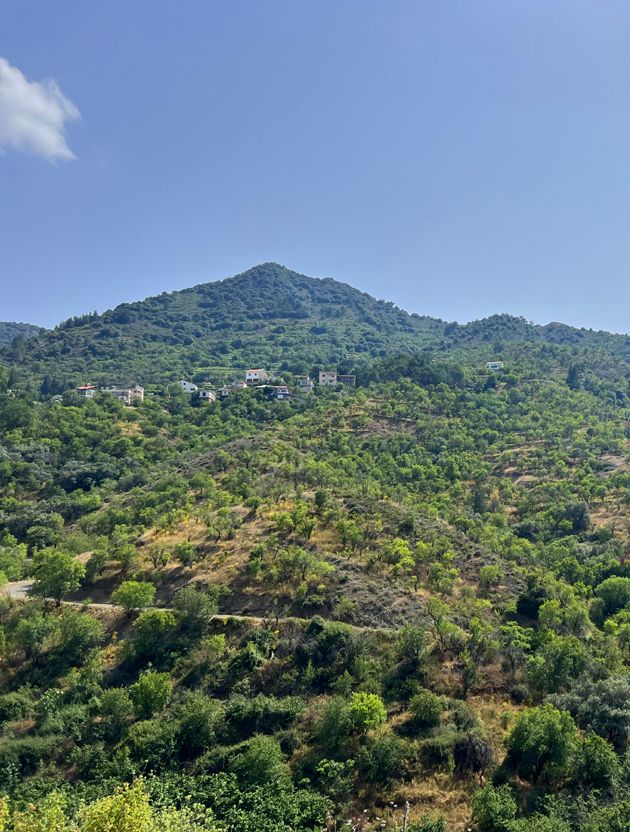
(33,115)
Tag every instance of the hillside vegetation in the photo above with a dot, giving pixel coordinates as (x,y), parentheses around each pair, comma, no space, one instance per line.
(270,316)
(404,606)
(9,331)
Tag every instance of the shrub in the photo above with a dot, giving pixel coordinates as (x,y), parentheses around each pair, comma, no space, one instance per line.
(116,709)
(151,693)
(543,740)
(262,763)
(366,711)
(381,759)
(472,752)
(494,808)
(426,709)
(437,752)
(14,706)
(152,742)
(597,765)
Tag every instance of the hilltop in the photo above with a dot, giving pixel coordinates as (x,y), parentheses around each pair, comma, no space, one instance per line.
(274,317)
(267,316)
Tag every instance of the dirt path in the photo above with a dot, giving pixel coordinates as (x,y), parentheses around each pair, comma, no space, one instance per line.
(20,590)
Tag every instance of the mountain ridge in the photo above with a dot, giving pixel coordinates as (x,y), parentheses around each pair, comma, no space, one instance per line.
(271,316)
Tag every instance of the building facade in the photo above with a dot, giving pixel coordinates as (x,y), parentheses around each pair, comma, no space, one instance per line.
(304,384)
(206,396)
(254,377)
(126,395)
(188,386)
(327,378)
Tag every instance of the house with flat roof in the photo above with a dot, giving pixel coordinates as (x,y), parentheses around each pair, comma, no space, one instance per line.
(257,376)
(206,396)
(347,379)
(126,395)
(327,377)
(280,392)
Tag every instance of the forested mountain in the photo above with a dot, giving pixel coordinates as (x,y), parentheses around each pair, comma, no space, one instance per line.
(400,606)
(273,317)
(268,316)
(10,330)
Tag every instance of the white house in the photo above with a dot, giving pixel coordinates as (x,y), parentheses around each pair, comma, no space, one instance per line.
(126,394)
(87,391)
(254,377)
(188,386)
(327,377)
(206,395)
(495,365)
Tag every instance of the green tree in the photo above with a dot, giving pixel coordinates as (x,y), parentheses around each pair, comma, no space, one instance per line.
(151,693)
(116,710)
(78,633)
(134,595)
(494,808)
(194,607)
(366,711)
(542,741)
(186,553)
(597,765)
(127,810)
(32,633)
(152,633)
(56,573)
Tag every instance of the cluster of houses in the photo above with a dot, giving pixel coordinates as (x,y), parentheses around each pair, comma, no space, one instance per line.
(259,379)
(126,395)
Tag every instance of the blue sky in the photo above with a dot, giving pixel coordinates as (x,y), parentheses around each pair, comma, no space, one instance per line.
(459,158)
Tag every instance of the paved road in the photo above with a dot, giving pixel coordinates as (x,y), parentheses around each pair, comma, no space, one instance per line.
(17,589)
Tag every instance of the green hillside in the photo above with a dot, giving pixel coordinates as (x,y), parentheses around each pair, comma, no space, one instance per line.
(273,317)
(268,316)
(403,606)
(10,330)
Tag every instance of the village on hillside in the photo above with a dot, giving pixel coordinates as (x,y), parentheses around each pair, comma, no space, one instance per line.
(256,378)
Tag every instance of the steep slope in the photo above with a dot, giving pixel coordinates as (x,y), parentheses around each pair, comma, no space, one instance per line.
(10,330)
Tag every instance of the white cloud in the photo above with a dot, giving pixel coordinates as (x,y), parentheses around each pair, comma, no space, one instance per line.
(33,115)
